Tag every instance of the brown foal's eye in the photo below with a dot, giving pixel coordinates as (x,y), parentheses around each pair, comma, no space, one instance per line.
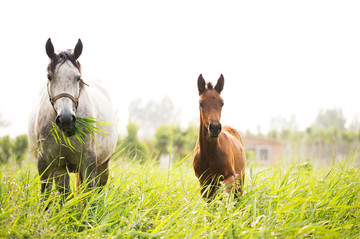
(222,103)
(201,104)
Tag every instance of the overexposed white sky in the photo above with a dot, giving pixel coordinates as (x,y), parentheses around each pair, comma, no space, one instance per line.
(279,58)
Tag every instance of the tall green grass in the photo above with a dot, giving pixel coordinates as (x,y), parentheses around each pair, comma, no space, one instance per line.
(148,201)
(84,127)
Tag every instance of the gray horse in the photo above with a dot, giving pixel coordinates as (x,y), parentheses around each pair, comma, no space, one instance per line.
(65,97)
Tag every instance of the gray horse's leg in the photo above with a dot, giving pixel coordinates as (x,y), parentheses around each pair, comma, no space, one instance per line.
(88,169)
(102,173)
(46,177)
(62,181)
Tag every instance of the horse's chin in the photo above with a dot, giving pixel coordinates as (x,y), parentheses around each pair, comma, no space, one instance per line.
(69,133)
(213,136)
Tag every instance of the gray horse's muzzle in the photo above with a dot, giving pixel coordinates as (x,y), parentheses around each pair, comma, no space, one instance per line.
(66,123)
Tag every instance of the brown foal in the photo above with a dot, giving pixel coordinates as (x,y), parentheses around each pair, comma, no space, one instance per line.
(219,155)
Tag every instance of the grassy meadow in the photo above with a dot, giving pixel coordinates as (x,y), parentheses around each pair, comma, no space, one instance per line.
(149,201)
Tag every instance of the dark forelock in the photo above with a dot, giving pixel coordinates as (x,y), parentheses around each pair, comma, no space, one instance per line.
(61,58)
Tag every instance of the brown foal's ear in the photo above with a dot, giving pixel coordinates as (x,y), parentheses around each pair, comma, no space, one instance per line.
(49,49)
(78,49)
(220,84)
(201,84)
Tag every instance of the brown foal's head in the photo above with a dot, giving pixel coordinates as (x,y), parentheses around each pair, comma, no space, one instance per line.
(210,104)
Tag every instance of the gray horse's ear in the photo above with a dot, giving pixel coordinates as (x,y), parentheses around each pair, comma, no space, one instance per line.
(50,49)
(78,49)
(220,84)
(201,84)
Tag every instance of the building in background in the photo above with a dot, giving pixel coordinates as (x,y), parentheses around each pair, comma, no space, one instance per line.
(266,151)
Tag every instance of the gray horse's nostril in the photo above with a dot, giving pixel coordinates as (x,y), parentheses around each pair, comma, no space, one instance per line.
(73,119)
(65,121)
(57,121)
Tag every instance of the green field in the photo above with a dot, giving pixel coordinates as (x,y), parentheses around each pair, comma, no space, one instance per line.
(149,201)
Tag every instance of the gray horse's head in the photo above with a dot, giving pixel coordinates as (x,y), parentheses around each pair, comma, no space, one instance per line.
(64,84)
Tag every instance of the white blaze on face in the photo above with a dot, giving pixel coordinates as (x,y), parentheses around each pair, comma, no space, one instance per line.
(65,80)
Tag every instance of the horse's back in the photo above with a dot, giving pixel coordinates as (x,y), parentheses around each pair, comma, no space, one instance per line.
(233,132)
(103,112)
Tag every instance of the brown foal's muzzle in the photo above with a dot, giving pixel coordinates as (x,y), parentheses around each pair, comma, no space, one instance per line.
(214,129)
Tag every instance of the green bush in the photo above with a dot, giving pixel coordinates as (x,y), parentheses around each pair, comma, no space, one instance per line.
(5,149)
(131,148)
(20,147)
(13,149)
(181,141)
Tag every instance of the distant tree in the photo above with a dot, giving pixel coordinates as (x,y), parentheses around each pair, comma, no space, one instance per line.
(330,117)
(184,140)
(133,148)
(181,141)
(190,135)
(163,139)
(152,114)
(5,149)
(280,124)
(355,123)
(20,147)
(248,133)
(324,139)
(273,134)
(3,122)
(349,136)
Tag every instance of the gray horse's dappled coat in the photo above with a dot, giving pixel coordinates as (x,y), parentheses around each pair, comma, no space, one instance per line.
(65,97)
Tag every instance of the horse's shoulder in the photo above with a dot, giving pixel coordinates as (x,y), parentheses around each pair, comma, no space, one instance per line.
(233,141)
(233,132)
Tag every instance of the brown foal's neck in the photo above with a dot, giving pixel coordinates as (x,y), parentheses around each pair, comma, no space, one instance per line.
(208,146)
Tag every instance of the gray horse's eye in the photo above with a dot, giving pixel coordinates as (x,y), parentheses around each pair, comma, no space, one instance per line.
(49,77)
